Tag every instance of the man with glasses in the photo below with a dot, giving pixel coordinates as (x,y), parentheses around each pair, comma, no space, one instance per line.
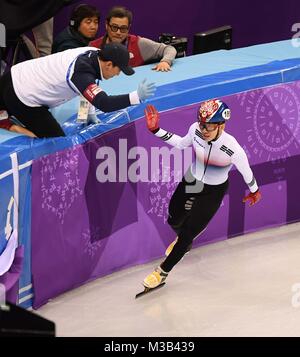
(200,193)
(142,50)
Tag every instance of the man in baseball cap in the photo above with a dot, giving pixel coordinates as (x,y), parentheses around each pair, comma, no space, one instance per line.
(31,87)
(118,55)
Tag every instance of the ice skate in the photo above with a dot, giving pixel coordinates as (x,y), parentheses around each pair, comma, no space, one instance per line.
(153,281)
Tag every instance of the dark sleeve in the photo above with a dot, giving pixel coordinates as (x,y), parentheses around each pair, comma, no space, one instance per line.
(66,45)
(65,40)
(110,103)
(84,78)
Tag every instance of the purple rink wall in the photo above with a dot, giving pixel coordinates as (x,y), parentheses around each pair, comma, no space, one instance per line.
(83,228)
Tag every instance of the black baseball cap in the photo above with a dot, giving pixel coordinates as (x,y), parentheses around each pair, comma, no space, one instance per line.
(118,54)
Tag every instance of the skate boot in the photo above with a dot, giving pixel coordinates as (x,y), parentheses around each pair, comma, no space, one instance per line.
(155,279)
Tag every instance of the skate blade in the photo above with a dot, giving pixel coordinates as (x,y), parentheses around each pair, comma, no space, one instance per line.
(148,290)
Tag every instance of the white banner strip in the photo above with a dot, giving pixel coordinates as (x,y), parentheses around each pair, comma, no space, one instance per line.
(9,172)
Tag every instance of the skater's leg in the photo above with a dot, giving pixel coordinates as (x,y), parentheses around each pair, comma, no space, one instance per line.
(179,206)
(204,208)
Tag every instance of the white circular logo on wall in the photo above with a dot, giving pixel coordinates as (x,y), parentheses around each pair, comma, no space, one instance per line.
(273,118)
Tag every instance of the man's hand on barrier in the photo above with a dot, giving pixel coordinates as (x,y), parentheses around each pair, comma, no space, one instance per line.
(162,67)
(253,197)
(152,117)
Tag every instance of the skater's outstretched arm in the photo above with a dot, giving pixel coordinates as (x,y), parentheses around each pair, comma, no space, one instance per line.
(152,119)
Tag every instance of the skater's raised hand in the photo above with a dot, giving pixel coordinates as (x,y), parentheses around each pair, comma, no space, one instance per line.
(253,197)
(152,117)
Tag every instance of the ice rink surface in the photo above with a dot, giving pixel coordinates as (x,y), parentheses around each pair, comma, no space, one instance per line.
(245,286)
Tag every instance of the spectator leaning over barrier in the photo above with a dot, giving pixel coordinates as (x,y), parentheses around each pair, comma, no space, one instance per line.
(83,27)
(30,88)
(142,50)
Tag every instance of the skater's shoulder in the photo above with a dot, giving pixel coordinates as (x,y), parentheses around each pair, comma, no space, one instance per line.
(229,138)
(194,126)
(230,141)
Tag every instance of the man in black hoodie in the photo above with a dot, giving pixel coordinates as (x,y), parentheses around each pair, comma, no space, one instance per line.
(82,29)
